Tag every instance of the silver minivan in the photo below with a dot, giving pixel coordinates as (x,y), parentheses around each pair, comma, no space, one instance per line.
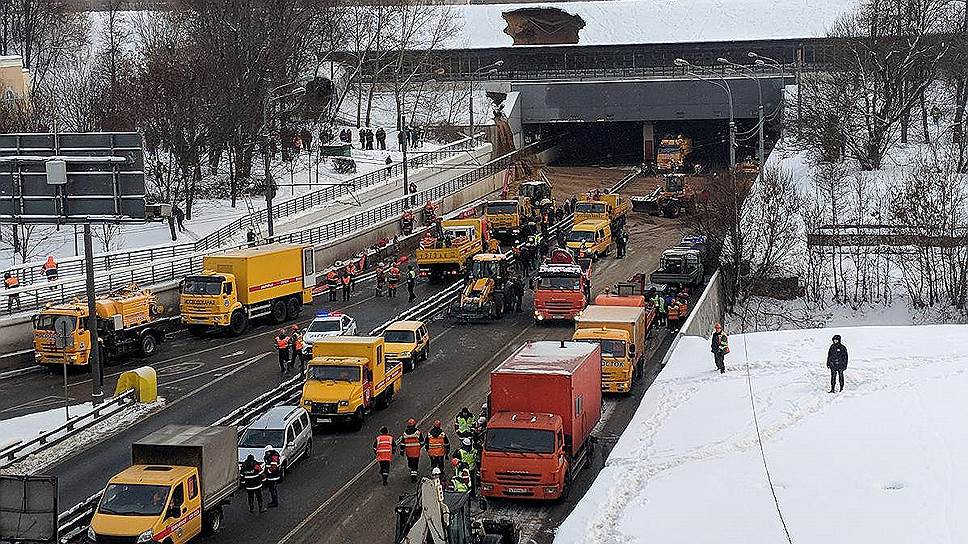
(286,428)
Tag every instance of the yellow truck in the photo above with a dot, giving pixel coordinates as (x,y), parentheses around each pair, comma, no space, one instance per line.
(620,331)
(609,206)
(672,153)
(127,323)
(509,220)
(590,239)
(174,490)
(449,251)
(240,285)
(347,377)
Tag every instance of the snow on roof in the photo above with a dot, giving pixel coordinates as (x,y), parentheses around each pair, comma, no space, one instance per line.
(547,357)
(874,463)
(616,22)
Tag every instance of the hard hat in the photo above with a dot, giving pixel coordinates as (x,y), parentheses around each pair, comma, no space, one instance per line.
(481,420)
(718,326)
(465,473)
(454,462)
(269,447)
(466,441)
(435,472)
(436,423)
(411,422)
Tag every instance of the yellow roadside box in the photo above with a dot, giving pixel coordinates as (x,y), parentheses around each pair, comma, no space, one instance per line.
(143,380)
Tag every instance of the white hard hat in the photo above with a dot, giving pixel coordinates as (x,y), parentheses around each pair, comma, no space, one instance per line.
(466,441)
(435,471)
(482,420)
(269,447)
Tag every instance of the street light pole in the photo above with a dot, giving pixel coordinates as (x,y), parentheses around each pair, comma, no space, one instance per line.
(406,137)
(729,98)
(759,91)
(270,185)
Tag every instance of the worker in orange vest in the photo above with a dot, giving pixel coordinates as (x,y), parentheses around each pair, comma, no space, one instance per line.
(50,268)
(282,344)
(10,281)
(393,281)
(383,447)
(346,280)
(672,314)
(332,282)
(410,443)
(437,445)
(351,272)
(296,341)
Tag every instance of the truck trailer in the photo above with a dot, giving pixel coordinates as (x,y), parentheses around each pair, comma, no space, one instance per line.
(545,399)
(620,332)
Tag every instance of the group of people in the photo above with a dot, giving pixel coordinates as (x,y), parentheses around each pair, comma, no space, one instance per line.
(290,344)
(412,443)
(12,281)
(388,275)
(257,474)
(342,279)
(671,307)
(377,139)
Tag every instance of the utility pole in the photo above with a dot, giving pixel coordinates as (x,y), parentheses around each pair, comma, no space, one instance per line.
(269,183)
(94,359)
(406,139)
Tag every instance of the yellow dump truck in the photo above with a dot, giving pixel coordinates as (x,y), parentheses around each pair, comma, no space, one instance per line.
(449,251)
(180,478)
(347,377)
(509,220)
(127,323)
(672,153)
(609,206)
(240,285)
(620,331)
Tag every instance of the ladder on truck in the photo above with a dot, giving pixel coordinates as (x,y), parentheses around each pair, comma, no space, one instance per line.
(254,224)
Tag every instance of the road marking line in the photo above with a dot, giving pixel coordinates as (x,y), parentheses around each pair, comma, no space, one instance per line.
(244,364)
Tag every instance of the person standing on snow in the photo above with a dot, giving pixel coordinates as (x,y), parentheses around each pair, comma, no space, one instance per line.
(837,362)
(720,347)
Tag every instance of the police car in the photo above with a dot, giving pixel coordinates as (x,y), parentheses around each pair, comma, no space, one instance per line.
(327,324)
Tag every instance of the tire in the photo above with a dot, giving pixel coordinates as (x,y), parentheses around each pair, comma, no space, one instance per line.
(359,419)
(149,345)
(410,364)
(238,323)
(293,308)
(278,312)
(212,521)
(566,492)
(492,539)
(309,450)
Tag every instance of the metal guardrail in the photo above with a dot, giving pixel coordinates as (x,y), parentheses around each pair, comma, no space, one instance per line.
(19,450)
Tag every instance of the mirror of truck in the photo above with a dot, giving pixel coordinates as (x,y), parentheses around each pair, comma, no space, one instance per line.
(631,350)
(227,288)
(174,511)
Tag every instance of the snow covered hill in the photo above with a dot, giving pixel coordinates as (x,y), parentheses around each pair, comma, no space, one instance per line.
(879,462)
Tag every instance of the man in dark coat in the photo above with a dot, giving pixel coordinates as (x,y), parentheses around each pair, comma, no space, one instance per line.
(837,362)
(720,347)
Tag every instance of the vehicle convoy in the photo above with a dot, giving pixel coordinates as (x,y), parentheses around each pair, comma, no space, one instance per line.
(609,206)
(327,325)
(127,323)
(538,193)
(672,153)
(240,285)
(620,331)
(347,377)
(509,220)
(406,342)
(671,199)
(561,288)
(449,251)
(682,264)
(483,296)
(545,399)
(444,517)
(179,479)
(286,428)
(591,238)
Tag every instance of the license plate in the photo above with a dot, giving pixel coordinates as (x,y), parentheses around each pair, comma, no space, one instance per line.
(324,419)
(517,490)
(557,317)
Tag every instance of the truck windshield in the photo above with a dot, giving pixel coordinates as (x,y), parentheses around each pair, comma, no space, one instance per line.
(133,500)
(590,207)
(486,269)
(45,322)
(566,283)
(612,348)
(324,325)
(202,286)
(339,373)
(520,440)
(581,236)
(260,438)
(497,208)
(398,337)
(668,148)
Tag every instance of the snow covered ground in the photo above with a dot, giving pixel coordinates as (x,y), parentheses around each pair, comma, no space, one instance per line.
(875,463)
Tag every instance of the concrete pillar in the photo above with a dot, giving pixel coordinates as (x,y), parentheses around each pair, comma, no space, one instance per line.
(648,143)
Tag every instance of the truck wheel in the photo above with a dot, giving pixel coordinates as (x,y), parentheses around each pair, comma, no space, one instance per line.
(212,521)
(359,418)
(410,364)
(293,307)
(278,311)
(238,323)
(149,345)
(492,539)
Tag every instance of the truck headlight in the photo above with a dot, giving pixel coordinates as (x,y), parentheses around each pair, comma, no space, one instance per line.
(404,354)
(91,535)
(539,317)
(344,403)
(551,490)
(145,536)
(307,403)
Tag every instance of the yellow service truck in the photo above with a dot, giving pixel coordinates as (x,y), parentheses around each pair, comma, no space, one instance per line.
(449,251)
(672,153)
(510,220)
(347,377)
(609,206)
(179,479)
(620,331)
(127,323)
(240,285)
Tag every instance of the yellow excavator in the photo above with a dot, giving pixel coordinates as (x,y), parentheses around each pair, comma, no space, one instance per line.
(483,297)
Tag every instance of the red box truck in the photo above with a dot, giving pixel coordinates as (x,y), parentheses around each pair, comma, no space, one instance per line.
(545,400)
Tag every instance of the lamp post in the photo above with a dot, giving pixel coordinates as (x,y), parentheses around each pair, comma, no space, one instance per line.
(266,157)
(759,109)
(729,98)
(491,69)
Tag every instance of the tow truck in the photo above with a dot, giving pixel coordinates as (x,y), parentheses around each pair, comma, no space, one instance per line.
(483,294)
(326,325)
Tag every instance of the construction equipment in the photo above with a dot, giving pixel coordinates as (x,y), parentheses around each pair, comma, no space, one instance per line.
(483,296)
(447,251)
(597,205)
(433,515)
(671,199)
(510,220)
(672,153)
(127,323)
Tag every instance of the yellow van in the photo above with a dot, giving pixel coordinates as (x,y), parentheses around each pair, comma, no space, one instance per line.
(407,342)
(592,237)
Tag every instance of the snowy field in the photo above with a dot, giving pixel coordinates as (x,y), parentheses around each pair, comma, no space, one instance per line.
(876,463)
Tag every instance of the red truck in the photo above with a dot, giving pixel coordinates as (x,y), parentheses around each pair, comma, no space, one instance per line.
(561,288)
(545,400)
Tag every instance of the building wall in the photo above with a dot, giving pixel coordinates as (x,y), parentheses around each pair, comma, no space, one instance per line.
(14,80)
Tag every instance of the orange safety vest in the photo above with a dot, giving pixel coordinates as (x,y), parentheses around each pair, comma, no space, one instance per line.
(351,269)
(384,447)
(411,443)
(435,445)
(331,277)
(299,343)
(673,311)
(684,309)
(282,343)
(346,279)
(11,282)
(394,275)
(49,264)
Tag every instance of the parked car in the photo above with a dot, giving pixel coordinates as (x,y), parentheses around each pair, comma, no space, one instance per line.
(326,325)
(285,428)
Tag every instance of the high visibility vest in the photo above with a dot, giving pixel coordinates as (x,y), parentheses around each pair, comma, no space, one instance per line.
(436,446)
(299,343)
(394,275)
(282,342)
(458,484)
(331,278)
(384,447)
(351,270)
(11,282)
(411,274)
(411,443)
(50,264)
(673,312)
(273,472)
(659,304)
(468,457)
(465,424)
(252,477)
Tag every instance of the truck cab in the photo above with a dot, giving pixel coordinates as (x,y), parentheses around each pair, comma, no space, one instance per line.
(561,292)
(51,322)
(620,331)
(535,444)
(347,377)
(538,193)
(591,238)
(611,207)
(508,219)
(209,298)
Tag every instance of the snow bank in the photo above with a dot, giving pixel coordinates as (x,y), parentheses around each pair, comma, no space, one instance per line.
(875,463)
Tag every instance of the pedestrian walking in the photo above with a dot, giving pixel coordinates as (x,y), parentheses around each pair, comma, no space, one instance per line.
(837,362)
(179,217)
(411,442)
(252,475)
(393,281)
(720,347)
(296,347)
(273,470)
(10,281)
(437,446)
(345,281)
(411,283)
(381,280)
(383,448)
(401,139)
(332,284)
(620,244)
(516,290)
(282,345)
(250,238)
(351,272)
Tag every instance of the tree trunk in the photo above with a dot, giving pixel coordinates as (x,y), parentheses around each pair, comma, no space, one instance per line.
(924,120)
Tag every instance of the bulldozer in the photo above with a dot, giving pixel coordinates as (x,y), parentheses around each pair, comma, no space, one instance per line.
(483,297)
(671,199)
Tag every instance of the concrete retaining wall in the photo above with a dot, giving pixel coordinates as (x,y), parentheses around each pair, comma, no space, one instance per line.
(708,310)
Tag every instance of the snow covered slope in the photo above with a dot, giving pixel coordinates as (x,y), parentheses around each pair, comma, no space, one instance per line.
(880,462)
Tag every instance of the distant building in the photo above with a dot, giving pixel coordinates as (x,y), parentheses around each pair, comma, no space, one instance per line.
(14,79)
